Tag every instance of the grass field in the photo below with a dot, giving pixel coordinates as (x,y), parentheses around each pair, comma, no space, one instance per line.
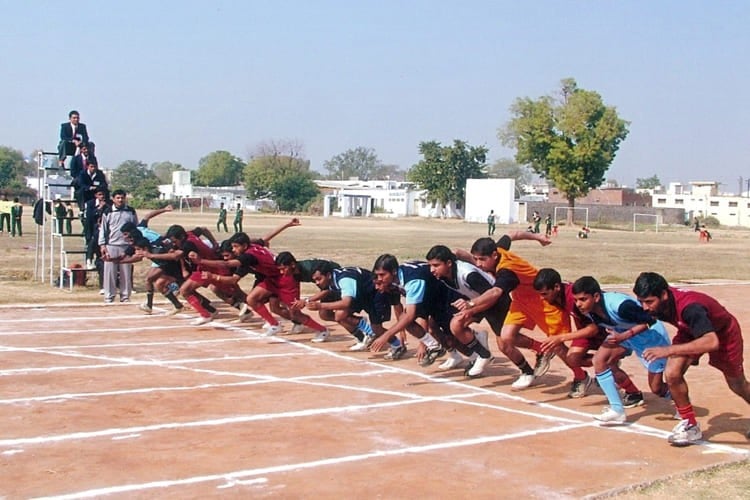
(613,257)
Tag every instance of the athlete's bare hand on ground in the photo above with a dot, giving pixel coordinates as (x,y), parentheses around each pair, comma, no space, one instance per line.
(421,351)
(378,344)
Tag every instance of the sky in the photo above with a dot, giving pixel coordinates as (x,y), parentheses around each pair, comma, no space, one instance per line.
(176,80)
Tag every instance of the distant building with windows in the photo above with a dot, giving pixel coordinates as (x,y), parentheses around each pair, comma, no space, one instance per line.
(702,199)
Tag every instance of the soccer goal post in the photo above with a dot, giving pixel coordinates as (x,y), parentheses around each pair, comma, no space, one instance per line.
(654,219)
(585,211)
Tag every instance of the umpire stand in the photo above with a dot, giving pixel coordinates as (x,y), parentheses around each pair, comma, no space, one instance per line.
(52,256)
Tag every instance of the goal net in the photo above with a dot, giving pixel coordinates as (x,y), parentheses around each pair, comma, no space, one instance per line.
(580,215)
(644,222)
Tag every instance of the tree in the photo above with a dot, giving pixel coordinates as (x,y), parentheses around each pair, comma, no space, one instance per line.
(279,172)
(571,140)
(361,163)
(12,168)
(652,182)
(444,170)
(219,168)
(137,180)
(507,168)
(163,170)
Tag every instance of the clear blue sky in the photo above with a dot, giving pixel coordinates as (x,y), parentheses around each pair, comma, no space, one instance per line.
(176,80)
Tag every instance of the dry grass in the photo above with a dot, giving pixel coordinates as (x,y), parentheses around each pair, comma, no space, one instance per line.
(613,257)
(610,256)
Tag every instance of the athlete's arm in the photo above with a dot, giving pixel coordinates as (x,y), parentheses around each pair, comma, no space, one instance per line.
(525,235)
(700,327)
(267,238)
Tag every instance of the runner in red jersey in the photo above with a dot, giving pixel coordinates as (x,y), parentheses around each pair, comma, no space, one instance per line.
(703,326)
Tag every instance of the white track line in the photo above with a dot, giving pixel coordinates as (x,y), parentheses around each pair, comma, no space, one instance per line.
(242,474)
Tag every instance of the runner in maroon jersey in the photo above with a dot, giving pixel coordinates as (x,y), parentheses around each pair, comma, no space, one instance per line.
(703,326)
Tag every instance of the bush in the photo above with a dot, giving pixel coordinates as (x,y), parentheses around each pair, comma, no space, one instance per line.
(711,222)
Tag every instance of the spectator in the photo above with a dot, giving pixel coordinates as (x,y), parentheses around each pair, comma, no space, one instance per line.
(16,213)
(113,244)
(222,219)
(90,181)
(238,219)
(72,135)
(5,206)
(59,215)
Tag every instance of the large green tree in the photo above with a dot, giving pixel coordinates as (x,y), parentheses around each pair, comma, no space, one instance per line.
(137,180)
(361,163)
(571,139)
(163,170)
(443,170)
(12,168)
(507,168)
(279,172)
(219,168)
(652,182)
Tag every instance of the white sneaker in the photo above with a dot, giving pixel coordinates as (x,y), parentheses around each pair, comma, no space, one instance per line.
(202,320)
(608,416)
(172,312)
(271,330)
(478,367)
(298,328)
(454,361)
(145,308)
(359,346)
(523,381)
(321,336)
(685,434)
(243,310)
(102,292)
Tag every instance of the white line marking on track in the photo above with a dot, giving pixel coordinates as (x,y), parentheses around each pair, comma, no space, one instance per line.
(231,483)
(129,488)
(126,436)
(83,395)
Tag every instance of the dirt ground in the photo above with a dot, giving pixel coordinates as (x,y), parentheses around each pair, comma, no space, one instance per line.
(103,400)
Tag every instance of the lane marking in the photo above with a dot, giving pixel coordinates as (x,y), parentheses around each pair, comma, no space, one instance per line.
(83,395)
(248,473)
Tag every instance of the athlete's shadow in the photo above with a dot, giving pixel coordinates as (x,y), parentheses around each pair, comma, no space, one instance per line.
(727,422)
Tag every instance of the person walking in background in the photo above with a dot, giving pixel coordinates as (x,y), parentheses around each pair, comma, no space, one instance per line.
(491,223)
(113,244)
(238,219)
(537,219)
(16,213)
(222,219)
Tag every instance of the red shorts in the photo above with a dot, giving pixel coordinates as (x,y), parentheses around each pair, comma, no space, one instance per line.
(286,288)
(223,287)
(728,357)
(589,343)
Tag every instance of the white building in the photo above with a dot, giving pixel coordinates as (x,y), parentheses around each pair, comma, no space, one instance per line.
(701,199)
(211,197)
(364,198)
(483,195)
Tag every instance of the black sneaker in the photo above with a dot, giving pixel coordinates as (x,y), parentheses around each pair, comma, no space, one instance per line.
(632,400)
(395,353)
(431,355)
